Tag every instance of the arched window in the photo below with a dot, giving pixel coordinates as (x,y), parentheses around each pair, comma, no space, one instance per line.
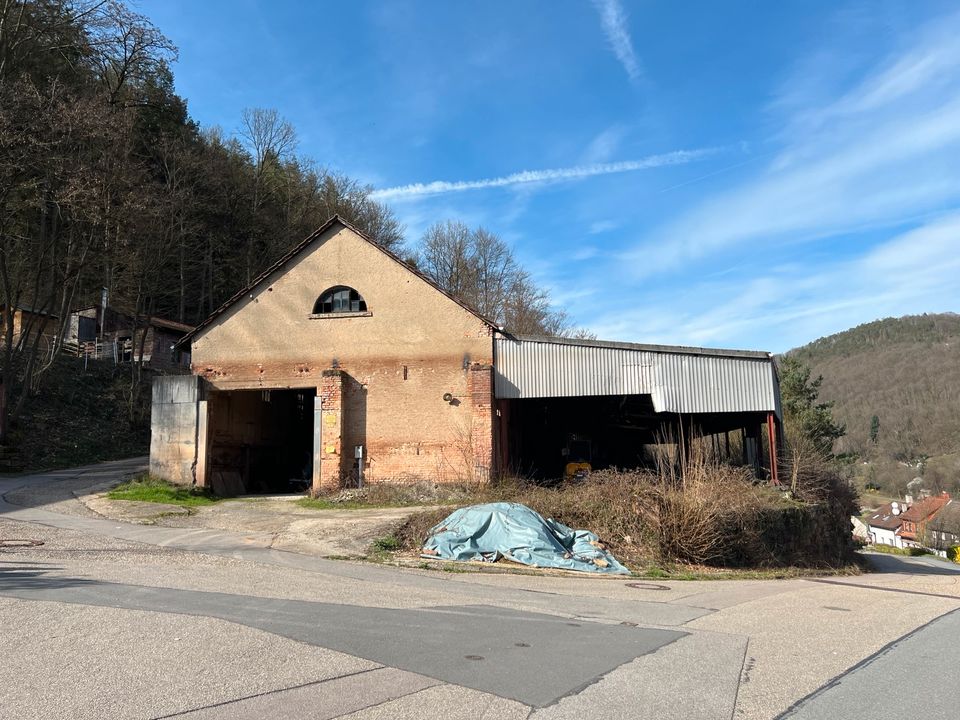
(339,299)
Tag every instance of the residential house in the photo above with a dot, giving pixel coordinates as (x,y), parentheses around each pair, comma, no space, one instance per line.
(30,324)
(943,529)
(917,517)
(860,532)
(883,525)
(104,332)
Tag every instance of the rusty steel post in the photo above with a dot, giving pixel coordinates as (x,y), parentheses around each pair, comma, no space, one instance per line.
(772,438)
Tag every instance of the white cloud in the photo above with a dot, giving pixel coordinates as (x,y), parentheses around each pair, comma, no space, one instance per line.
(614,22)
(604,146)
(525,177)
(783,307)
(602,226)
(584,252)
(871,156)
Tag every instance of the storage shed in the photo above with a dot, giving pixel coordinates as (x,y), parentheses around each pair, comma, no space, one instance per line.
(622,397)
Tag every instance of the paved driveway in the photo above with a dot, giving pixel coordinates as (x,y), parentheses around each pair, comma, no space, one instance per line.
(107,619)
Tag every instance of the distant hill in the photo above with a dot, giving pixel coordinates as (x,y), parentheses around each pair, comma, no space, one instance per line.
(906,372)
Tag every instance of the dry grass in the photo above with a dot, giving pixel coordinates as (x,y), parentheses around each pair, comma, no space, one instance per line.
(395,495)
(713,515)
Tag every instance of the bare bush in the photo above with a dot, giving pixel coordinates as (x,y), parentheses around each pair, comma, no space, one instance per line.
(711,514)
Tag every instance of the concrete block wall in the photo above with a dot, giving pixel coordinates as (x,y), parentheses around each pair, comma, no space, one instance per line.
(173,427)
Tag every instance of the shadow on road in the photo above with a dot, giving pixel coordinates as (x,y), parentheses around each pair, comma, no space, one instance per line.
(18,577)
(921,565)
(481,647)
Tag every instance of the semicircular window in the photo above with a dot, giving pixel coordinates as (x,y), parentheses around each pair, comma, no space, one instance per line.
(339,299)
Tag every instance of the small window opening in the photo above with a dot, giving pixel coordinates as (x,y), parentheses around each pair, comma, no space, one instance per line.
(339,300)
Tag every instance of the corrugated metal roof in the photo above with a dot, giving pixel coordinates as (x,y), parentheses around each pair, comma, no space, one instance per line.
(679,379)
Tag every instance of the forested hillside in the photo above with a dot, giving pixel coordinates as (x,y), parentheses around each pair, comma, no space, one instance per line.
(106,182)
(896,386)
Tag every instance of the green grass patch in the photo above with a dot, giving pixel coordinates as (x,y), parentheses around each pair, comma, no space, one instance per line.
(359,503)
(387,543)
(891,550)
(322,503)
(706,573)
(149,489)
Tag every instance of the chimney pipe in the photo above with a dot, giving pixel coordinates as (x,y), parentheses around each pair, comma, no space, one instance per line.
(103,310)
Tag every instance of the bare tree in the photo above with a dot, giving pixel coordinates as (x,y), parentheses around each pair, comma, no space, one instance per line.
(477,267)
(47,36)
(50,145)
(445,256)
(341,195)
(270,140)
(128,48)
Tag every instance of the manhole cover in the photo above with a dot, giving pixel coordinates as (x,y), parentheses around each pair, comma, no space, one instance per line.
(647,586)
(17,542)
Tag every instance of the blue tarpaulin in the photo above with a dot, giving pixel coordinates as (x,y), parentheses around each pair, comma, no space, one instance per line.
(515,532)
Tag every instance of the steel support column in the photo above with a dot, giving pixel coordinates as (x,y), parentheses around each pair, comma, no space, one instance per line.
(774,447)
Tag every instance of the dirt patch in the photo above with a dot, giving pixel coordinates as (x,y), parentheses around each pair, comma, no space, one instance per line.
(326,533)
(132,511)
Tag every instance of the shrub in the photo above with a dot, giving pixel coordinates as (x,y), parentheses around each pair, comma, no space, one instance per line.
(906,551)
(712,514)
(388,543)
(953,553)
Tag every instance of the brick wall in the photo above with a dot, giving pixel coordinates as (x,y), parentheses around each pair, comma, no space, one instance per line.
(330,472)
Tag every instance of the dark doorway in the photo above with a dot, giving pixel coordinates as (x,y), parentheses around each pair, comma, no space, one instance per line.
(544,435)
(540,438)
(261,441)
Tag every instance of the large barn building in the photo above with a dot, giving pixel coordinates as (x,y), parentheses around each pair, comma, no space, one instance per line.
(342,364)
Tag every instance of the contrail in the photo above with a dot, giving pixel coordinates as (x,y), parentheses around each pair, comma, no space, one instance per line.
(437,187)
(614,21)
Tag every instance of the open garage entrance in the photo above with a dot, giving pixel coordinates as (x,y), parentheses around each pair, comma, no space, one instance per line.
(540,438)
(260,441)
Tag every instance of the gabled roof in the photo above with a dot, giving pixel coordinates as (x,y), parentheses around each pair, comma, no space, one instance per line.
(169,324)
(28,309)
(884,518)
(924,509)
(948,519)
(299,248)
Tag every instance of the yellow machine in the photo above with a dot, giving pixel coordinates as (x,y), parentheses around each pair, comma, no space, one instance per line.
(578,452)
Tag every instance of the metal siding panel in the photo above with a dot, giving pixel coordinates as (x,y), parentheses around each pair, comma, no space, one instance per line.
(678,382)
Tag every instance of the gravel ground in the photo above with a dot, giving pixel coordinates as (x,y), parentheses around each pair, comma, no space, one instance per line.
(326,533)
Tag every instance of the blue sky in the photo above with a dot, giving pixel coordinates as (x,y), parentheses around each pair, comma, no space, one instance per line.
(736,174)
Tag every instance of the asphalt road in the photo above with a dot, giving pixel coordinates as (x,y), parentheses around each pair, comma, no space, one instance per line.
(108,619)
(915,676)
